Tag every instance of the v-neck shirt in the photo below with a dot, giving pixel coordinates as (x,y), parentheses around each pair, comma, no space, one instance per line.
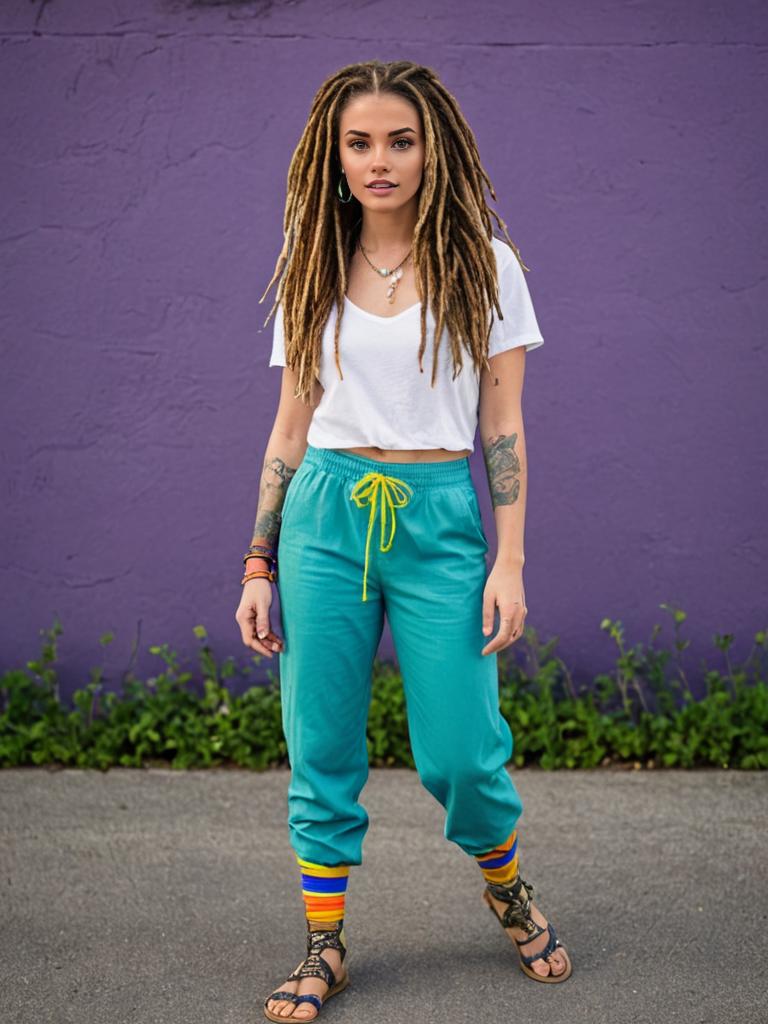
(383,400)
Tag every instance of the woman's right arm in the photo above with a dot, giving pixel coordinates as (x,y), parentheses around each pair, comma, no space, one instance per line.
(285,449)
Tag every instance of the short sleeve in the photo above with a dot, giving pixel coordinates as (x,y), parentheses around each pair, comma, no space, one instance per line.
(277,358)
(519,326)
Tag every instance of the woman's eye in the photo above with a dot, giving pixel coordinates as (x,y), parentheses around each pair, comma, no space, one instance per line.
(362,142)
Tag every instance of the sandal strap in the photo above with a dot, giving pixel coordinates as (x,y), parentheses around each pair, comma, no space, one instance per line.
(308,997)
(315,966)
(326,938)
(280,994)
(552,943)
(536,934)
(517,914)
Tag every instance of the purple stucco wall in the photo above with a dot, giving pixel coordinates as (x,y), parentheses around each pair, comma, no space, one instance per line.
(142,173)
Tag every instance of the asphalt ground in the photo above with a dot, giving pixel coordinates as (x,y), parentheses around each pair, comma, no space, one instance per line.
(161,896)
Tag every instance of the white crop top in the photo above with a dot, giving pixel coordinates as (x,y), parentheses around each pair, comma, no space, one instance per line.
(384,401)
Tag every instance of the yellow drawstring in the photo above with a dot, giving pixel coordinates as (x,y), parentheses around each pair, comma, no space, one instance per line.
(366,492)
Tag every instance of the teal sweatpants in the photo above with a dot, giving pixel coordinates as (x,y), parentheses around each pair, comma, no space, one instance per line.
(361,538)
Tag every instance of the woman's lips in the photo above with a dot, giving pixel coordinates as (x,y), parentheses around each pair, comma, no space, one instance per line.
(381,188)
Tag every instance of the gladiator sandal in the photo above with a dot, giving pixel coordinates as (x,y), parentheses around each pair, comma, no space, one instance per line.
(517,915)
(314,966)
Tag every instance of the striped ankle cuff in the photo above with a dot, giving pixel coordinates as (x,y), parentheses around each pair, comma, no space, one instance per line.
(500,864)
(323,889)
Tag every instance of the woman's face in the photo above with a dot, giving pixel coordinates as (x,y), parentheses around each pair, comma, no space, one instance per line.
(380,136)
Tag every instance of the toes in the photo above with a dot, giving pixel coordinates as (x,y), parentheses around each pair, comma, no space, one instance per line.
(548,965)
(280,1006)
(305,1012)
(557,963)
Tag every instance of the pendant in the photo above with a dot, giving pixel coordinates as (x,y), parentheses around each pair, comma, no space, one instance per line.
(394,278)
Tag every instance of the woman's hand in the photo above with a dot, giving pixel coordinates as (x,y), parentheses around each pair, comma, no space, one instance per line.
(253,618)
(504,587)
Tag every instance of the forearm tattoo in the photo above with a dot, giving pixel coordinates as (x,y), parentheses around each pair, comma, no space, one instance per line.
(275,479)
(503,467)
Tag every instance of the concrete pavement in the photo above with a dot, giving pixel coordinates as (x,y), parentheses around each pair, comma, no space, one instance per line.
(159,897)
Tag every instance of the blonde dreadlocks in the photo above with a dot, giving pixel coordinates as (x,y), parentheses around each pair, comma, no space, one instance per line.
(452,250)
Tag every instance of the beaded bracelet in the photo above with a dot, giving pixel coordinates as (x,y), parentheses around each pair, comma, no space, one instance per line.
(262,547)
(254,545)
(260,551)
(268,556)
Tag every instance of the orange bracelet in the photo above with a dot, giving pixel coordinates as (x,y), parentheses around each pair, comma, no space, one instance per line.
(263,560)
(266,574)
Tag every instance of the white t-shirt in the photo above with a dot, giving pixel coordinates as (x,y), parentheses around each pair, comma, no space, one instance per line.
(384,401)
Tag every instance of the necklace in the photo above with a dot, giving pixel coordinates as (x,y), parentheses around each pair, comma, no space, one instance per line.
(393,275)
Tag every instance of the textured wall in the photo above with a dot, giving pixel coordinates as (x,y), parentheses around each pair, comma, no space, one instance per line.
(142,172)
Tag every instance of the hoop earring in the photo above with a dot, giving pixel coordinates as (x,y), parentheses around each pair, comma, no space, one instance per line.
(338,189)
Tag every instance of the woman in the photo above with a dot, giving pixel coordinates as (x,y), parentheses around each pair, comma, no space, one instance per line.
(388,245)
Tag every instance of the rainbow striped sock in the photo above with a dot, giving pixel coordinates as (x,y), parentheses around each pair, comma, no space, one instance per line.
(323,889)
(500,864)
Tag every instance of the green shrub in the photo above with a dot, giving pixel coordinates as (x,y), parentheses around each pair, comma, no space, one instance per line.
(643,714)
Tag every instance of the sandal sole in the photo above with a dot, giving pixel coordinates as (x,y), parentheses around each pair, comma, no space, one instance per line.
(553,979)
(338,987)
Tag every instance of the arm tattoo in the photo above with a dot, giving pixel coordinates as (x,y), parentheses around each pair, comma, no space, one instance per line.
(275,480)
(503,465)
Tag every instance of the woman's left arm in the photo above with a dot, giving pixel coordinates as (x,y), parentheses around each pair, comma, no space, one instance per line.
(503,441)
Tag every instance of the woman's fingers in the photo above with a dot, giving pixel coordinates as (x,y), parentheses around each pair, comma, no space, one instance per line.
(263,629)
(253,618)
(510,627)
(249,637)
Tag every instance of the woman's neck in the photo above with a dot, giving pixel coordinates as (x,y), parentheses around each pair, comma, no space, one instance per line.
(388,233)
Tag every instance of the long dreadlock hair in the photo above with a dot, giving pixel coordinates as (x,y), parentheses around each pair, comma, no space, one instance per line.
(452,251)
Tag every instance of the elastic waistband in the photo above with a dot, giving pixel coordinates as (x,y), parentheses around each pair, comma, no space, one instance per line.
(352,466)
